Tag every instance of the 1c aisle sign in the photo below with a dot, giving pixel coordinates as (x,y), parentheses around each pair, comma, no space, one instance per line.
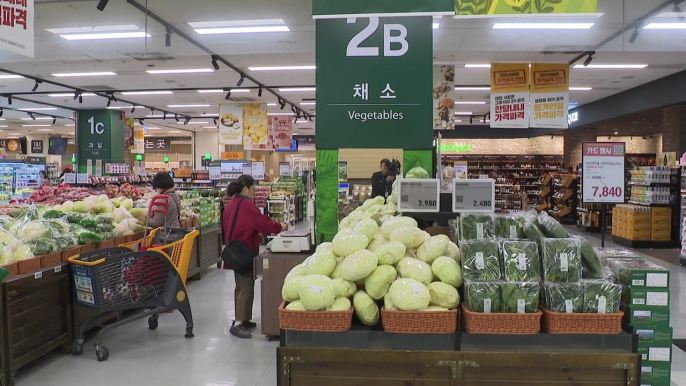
(603,172)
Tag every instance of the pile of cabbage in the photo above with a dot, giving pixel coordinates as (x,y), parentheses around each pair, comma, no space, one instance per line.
(377,259)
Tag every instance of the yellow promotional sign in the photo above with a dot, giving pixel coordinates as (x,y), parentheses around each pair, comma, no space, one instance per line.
(549,95)
(666,159)
(12,145)
(523,8)
(549,77)
(509,77)
(232,155)
(255,126)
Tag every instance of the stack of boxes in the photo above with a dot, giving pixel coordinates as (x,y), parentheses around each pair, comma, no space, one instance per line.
(645,303)
(642,223)
(661,229)
(209,211)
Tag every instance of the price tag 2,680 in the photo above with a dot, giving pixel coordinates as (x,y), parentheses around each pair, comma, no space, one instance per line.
(419,195)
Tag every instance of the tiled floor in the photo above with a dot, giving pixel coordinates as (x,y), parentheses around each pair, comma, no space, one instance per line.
(140,357)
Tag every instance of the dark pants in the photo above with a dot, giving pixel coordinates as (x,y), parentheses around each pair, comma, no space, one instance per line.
(243,296)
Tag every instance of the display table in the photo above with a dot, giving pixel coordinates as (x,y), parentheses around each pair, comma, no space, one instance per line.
(273,267)
(207,251)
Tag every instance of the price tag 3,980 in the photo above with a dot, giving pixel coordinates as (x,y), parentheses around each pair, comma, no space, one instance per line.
(418,195)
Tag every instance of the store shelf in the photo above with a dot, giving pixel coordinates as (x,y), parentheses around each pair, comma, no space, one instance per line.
(646,204)
(646,244)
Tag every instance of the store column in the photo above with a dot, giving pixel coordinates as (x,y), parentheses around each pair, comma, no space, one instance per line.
(674,129)
(99,139)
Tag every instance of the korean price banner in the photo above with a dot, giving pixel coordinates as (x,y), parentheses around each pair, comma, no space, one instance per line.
(230,124)
(419,195)
(281,132)
(474,195)
(16,26)
(510,95)
(603,172)
(549,95)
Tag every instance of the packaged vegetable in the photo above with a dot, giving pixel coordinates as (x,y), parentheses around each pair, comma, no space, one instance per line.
(509,227)
(521,261)
(316,292)
(411,237)
(417,172)
(396,222)
(378,241)
(346,242)
(520,297)
(593,268)
(321,263)
(601,296)
(391,252)
(563,297)
(532,232)
(358,265)
(367,227)
(296,306)
(454,252)
(340,304)
(480,260)
(562,260)
(551,227)
(42,247)
(477,226)
(483,297)
(344,288)
(379,281)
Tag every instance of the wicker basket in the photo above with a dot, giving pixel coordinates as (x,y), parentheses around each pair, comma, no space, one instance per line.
(105,244)
(315,320)
(67,253)
(515,324)
(131,238)
(563,323)
(87,248)
(419,322)
(13,268)
(28,266)
(51,259)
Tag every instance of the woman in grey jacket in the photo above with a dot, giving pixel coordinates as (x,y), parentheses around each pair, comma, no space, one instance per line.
(163,183)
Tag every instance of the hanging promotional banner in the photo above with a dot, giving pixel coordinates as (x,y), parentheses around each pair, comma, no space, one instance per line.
(231,124)
(523,8)
(603,172)
(332,9)
(138,140)
(549,95)
(510,95)
(255,127)
(281,132)
(444,97)
(16,26)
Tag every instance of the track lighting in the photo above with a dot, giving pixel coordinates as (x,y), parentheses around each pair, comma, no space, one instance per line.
(152,111)
(281,102)
(176,117)
(471,120)
(114,98)
(310,118)
(32,116)
(80,98)
(1,112)
(240,81)
(54,120)
(133,108)
(9,99)
(167,38)
(214,63)
(259,92)
(141,122)
(609,137)
(634,35)
(186,121)
(102,4)
(228,95)
(109,102)
(76,95)
(35,86)
(164,115)
(215,121)
(645,138)
(588,60)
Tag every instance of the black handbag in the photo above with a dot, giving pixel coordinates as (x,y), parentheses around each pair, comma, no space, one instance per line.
(236,254)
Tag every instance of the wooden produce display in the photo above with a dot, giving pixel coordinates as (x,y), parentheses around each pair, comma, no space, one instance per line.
(210,246)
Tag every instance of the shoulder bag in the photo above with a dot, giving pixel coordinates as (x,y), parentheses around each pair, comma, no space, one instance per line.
(236,254)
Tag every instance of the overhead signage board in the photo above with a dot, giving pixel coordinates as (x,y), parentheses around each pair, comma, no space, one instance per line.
(17,26)
(230,124)
(99,136)
(157,144)
(474,195)
(521,8)
(37,146)
(603,172)
(419,195)
(374,81)
(510,95)
(332,9)
(549,96)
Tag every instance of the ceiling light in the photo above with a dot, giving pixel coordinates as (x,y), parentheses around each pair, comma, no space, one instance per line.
(194,122)
(612,66)
(80,74)
(209,127)
(580,88)
(665,26)
(70,94)
(181,71)
(470,103)
(4,125)
(588,60)
(259,93)
(242,30)
(472,88)
(297,89)
(182,106)
(301,121)
(542,25)
(155,116)
(44,130)
(240,81)
(478,65)
(463,113)
(11,77)
(435,26)
(112,35)
(209,115)
(102,28)
(314,103)
(218,90)
(69,125)
(38,109)
(119,107)
(174,131)
(283,68)
(102,4)
(214,63)
(37,119)
(281,114)
(147,93)
(154,128)
(271,104)
(36,125)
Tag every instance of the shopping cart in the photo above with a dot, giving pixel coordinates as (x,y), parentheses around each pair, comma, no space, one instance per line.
(151,277)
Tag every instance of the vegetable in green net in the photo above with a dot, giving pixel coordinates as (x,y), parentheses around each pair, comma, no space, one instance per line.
(483,297)
(563,297)
(480,260)
(601,296)
(562,260)
(520,297)
(477,226)
(520,260)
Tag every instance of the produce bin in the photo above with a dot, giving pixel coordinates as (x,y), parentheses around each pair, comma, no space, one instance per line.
(67,253)
(13,268)
(210,246)
(51,260)
(28,266)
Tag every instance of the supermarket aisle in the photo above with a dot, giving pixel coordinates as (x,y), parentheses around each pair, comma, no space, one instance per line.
(140,357)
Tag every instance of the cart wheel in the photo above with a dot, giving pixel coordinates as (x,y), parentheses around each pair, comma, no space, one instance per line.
(76,348)
(153,323)
(189,332)
(102,353)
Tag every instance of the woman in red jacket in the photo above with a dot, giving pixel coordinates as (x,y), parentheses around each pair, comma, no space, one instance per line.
(250,223)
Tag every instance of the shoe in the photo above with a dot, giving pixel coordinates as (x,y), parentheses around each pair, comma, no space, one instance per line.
(240,331)
(249,324)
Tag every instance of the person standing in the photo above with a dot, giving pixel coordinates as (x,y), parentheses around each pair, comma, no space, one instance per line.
(163,183)
(382,181)
(249,224)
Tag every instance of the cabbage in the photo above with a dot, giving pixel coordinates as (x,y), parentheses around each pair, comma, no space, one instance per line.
(356,216)
(127,204)
(389,209)
(23,252)
(387,303)
(6,255)
(416,269)
(291,288)
(367,227)
(378,200)
(35,230)
(391,252)
(365,308)
(346,223)
(296,306)
(409,253)
(10,241)
(394,195)
(378,241)
(379,281)
(337,270)
(68,206)
(417,172)
(359,265)
(396,222)
(454,252)
(409,295)
(384,218)
(340,304)
(324,247)
(411,237)
(347,242)
(447,271)
(344,288)
(321,263)
(432,249)
(316,292)
(443,295)
(436,309)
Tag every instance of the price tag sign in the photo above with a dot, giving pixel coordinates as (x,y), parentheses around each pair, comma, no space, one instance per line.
(215,172)
(603,172)
(258,170)
(82,178)
(419,195)
(474,195)
(285,169)
(69,178)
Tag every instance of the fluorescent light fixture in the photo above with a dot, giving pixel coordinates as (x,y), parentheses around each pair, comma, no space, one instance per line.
(580,88)
(239,26)
(612,66)
(154,128)
(182,106)
(670,14)
(37,119)
(463,113)
(283,68)
(194,123)
(301,121)
(434,25)
(470,103)
(666,25)
(70,94)
(181,71)
(235,23)
(69,125)
(209,115)
(242,30)
(11,77)
(4,125)
(45,130)
(271,104)
(147,93)
(111,35)
(3,119)
(36,125)
(478,65)
(80,74)
(119,107)
(209,127)
(155,116)
(104,28)
(308,104)
(472,88)
(297,89)
(216,91)
(280,114)
(174,131)
(38,109)
(542,25)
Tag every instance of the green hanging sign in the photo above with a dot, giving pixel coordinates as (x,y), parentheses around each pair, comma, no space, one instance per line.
(99,136)
(330,9)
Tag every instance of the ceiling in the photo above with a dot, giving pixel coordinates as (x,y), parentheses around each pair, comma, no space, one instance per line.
(456,41)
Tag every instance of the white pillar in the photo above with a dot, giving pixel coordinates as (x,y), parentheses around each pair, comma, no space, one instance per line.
(205,143)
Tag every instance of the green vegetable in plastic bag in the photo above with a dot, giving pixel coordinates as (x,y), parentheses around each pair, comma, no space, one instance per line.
(477,226)
(520,298)
(601,296)
(593,268)
(508,227)
(42,247)
(562,260)
(66,242)
(480,260)
(532,232)
(85,237)
(563,297)
(551,227)
(483,297)
(53,214)
(365,308)
(75,218)
(520,260)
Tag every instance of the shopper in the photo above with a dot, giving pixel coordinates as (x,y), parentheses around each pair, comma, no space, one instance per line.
(382,181)
(44,178)
(163,183)
(249,224)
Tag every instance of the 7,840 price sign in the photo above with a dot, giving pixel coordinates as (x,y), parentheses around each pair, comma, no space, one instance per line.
(603,172)
(418,195)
